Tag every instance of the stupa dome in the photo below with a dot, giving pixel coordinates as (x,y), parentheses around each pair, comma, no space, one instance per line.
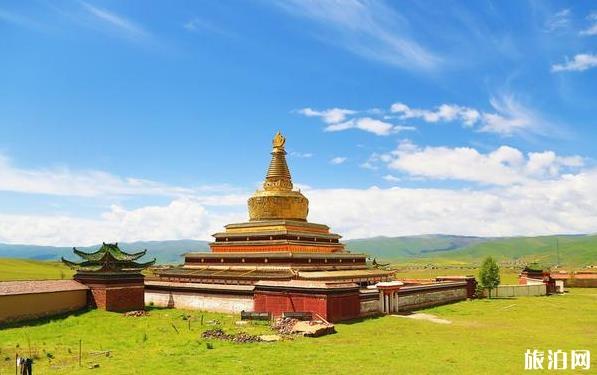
(278,200)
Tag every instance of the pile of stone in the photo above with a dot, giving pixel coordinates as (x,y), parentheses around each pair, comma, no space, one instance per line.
(284,326)
(219,334)
(136,313)
(313,328)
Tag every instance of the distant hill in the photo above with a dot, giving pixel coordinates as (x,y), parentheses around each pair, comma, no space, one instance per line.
(411,246)
(164,251)
(573,249)
(434,248)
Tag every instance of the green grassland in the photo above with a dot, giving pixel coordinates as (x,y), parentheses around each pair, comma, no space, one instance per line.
(26,269)
(573,250)
(507,275)
(485,336)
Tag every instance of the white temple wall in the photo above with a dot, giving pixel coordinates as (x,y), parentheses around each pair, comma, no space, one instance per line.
(223,303)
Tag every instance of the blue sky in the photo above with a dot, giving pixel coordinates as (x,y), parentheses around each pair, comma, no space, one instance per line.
(123,120)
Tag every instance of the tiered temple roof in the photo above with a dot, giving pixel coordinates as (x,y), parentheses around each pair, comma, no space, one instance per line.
(109,258)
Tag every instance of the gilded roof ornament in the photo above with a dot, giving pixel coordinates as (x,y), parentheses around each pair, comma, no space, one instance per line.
(279,140)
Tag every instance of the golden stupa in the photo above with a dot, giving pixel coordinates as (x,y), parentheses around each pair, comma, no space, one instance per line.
(277,200)
(277,243)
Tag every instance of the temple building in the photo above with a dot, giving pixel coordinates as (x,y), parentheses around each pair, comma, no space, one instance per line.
(277,243)
(278,263)
(113,277)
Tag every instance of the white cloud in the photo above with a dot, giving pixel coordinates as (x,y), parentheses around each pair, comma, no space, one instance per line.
(558,21)
(564,205)
(391,178)
(116,23)
(370,125)
(197,25)
(509,116)
(91,183)
(592,29)
(302,155)
(533,193)
(369,29)
(338,160)
(445,112)
(329,116)
(579,63)
(505,166)
(183,218)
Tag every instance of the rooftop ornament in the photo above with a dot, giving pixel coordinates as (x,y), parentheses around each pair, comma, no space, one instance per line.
(109,258)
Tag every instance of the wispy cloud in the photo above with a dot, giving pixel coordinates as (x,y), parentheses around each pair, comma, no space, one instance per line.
(371,29)
(509,116)
(302,155)
(445,112)
(63,181)
(329,116)
(391,178)
(579,63)
(338,160)
(559,20)
(19,20)
(592,29)
(370,125)
(337,119)
(116,24)
(198,25)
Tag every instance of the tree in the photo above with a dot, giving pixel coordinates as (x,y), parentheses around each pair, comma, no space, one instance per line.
(489,274)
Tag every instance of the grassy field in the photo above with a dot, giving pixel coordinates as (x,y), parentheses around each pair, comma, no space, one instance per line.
(507,275)
(485,336)
(26,269)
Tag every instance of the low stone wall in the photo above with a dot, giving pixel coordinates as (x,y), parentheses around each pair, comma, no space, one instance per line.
(369,300)
(370,307)
(192,296)
(40,299)
(535,289)
(422,296)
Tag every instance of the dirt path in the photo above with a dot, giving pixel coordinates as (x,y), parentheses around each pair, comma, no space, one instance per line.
(428,317)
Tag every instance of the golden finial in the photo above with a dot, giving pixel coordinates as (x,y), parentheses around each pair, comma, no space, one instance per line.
(279,140)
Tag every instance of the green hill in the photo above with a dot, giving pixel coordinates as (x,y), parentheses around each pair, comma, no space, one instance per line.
(573,250)
(405,247)
(164,251)
(29,269)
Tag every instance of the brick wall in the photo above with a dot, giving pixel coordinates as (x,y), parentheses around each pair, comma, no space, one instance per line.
(332,307)
(281,302)
(124,298)
(343,307)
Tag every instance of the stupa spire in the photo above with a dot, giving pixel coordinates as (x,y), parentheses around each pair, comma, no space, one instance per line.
(277,200)
(278,175)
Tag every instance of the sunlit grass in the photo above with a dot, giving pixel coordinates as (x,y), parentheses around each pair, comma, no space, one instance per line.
(486,336)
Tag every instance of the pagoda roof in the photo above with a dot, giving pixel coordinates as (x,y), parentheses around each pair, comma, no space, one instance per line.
(273,222)
(275,254)
(277,232)
(109,258)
